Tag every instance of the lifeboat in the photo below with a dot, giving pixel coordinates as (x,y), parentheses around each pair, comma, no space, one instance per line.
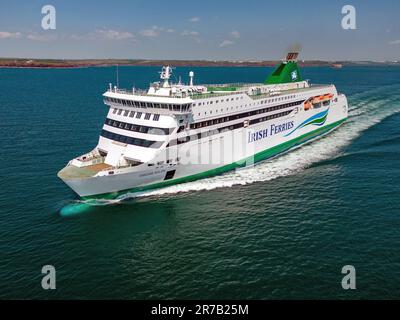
(321,98)
(307,105)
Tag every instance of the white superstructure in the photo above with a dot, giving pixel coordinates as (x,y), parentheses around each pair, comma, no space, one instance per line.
(174,133)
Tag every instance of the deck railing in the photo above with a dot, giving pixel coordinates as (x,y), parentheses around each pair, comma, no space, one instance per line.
(242,88)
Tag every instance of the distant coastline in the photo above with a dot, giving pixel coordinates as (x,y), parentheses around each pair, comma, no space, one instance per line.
(83,63)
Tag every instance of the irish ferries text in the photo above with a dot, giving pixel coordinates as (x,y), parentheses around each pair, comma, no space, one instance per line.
(274,129)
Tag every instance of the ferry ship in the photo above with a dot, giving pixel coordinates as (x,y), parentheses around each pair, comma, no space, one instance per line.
(174,133)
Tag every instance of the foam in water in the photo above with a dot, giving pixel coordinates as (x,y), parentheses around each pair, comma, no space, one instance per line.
(365,110)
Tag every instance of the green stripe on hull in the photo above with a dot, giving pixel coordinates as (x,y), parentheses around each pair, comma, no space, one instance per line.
(268,153)
(318,121)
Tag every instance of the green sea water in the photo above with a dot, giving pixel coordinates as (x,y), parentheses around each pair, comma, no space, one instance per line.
(282,229)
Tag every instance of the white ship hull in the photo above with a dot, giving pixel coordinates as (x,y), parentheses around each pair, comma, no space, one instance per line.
(240,150)
(177,133)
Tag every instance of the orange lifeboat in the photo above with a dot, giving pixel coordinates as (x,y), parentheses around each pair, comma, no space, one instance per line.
(328,96)
(315,100)
(321,98)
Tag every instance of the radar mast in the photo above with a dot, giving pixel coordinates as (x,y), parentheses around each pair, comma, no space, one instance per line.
(165,74)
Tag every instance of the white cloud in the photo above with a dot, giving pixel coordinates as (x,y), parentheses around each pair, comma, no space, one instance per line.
(149,33)
(103,34)
(170,30)
(110,34)
(394,42)
(226,43)
(194,19)
(77,37)
(41,37)
(235,34)
(190,33)
(153,32)
(10,35)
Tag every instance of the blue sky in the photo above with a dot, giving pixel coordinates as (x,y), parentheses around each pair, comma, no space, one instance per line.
(152,29)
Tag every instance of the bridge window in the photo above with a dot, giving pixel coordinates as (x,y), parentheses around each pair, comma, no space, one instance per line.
(138,128)
(131,140)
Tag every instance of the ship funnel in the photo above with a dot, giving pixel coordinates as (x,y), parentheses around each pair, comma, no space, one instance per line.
(191,76)
(287,71)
